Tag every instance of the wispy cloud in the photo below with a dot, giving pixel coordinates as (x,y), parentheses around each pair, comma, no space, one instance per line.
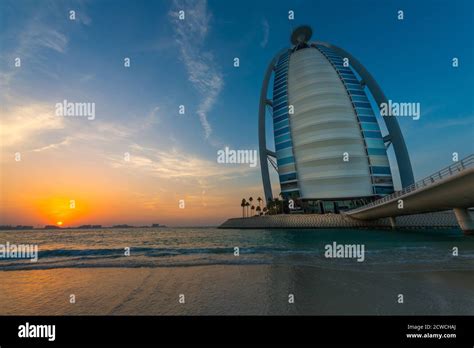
(66,141)
(203,72)
(32,42)
(82,16)
(46,37)
(175,164)
(266,33)
(37,37)
(453,122)
(34,127)
(87,77)
(151,119)
(20,124)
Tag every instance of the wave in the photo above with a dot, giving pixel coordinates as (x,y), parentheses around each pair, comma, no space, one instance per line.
(132,264)
(186,257)
(159,252)
(323,264)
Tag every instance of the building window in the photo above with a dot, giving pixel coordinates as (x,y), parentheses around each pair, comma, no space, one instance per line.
(381,170)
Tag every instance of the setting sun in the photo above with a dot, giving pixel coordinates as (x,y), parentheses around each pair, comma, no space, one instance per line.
(59,223)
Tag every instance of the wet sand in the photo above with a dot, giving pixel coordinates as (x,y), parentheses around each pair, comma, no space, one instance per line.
(234,290)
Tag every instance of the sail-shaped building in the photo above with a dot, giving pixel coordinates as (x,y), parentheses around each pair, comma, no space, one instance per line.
(329,149)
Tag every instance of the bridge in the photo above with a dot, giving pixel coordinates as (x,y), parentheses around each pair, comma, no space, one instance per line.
(450,188)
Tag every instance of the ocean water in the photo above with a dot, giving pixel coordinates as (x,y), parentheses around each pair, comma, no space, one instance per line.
(177,247)
(165,262)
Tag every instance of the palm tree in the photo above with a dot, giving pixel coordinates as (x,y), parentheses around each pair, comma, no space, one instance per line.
(276,201)
(270,204)
(242,204)
(247,204)
(252,208)
(259,202)
(282,201)
(265,210)
(258,210)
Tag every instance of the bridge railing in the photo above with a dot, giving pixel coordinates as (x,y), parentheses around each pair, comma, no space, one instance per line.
(453,169)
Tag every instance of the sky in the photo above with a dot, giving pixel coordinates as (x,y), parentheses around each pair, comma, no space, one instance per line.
(190,62)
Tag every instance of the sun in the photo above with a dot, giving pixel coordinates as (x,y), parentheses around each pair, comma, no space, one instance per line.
(59,223)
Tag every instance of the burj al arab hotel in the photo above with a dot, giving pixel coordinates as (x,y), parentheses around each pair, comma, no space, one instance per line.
(329,149)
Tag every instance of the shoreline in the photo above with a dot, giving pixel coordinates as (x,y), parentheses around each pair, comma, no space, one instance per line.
(437,220)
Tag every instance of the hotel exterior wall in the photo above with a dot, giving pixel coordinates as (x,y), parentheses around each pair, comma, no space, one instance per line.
(375,148)
(324,126)
(281,125)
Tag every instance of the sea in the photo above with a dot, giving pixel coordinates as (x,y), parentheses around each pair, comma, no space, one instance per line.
(211,271)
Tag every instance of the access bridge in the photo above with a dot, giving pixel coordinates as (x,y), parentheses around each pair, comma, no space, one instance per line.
(450,188)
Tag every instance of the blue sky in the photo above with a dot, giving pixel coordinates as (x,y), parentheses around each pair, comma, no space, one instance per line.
(192,64)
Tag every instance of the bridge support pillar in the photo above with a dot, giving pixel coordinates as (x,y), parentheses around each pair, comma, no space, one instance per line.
(465,220)
(393,222)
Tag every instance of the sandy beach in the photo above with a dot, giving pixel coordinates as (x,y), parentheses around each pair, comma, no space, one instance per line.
(238,290)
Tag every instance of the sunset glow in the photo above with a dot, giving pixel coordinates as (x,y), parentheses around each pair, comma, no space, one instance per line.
(139,156)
